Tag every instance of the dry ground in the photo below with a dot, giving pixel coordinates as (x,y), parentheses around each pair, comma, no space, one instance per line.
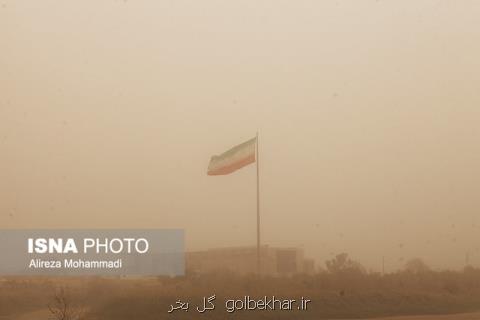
(44,314)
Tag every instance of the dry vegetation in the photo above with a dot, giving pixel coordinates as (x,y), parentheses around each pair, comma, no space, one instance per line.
(343,290)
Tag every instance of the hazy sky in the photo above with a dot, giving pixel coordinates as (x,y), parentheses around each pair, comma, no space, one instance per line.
(368,113)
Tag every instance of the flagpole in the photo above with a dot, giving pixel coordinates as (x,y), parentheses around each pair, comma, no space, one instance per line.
(258,210)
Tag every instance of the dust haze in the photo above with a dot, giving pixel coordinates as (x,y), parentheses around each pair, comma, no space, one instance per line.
(367,113)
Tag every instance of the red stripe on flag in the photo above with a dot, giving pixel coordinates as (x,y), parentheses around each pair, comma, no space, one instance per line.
(233,167)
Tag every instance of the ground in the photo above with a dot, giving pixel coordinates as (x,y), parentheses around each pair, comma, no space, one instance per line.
(44,314)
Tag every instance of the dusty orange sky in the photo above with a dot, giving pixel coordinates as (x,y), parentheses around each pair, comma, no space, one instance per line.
(368,113)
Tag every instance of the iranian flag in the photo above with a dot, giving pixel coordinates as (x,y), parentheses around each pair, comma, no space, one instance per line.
(233,159)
